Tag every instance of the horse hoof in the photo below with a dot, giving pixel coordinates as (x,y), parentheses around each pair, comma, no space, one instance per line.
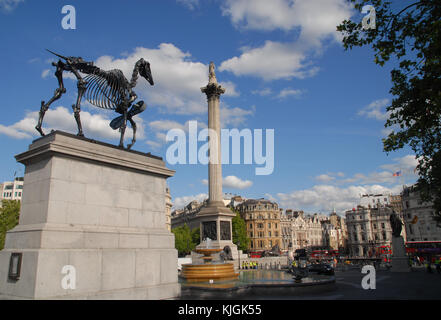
(40,131)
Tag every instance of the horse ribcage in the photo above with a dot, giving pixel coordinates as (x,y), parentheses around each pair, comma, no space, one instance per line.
(106,89)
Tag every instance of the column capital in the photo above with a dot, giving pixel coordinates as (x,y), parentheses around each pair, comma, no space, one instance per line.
(213,90)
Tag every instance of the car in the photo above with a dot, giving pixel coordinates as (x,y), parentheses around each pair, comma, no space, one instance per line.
(321,268)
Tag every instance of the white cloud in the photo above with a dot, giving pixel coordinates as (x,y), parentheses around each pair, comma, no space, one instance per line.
(289,92)
(230,89)
(313,21)
(375,110)
(181,202)
(154,144)
(324,178)
(60,118)
(161,127)
(406,164)
(316,19)
(9,5)
(272,61)
(165,125)
(234,116)
(45,73)
(190,4)
(263,92)
(327,197)
(177,78)
(232,182)
(384,174)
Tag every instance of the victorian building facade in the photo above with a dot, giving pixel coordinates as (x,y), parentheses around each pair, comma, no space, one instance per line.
(313,232)
(262,219)
(418,217)
(369,229)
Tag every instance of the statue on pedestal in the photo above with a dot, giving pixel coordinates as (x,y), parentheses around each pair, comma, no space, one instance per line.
(396,224)
(103,89)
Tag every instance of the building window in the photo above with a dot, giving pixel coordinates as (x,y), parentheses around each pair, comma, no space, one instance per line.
(269,233)
(269,225)
(375,226)
(382,225)
(251,226)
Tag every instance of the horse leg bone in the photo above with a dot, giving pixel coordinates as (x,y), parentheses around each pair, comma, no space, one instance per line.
(57,95)
(81,85)
(134,133)
(123,128)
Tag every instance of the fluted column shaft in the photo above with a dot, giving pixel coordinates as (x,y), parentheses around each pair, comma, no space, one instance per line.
(213,92)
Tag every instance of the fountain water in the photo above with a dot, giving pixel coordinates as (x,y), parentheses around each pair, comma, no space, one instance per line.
(209,270)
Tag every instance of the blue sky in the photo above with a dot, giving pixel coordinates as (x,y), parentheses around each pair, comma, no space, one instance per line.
(281,62)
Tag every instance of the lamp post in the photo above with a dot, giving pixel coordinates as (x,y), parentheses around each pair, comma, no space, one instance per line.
(238,252)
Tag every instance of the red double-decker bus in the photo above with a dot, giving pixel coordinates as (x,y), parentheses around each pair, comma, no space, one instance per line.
(385,253)
(319,254)
(423,247)
(333,253)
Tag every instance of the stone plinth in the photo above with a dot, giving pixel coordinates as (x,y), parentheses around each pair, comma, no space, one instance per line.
(400,262)
(98,208)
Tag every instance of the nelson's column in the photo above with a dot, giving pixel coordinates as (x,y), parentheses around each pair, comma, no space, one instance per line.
(215,218)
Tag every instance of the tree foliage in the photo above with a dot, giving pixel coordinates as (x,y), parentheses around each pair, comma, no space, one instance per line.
(240,233)
(9,215)
(409,32)
(186,240)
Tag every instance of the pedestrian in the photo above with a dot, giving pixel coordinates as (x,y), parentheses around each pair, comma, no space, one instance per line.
(438,265)
(429,267)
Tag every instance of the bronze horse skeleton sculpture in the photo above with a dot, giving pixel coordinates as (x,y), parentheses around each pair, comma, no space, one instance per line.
(104,89)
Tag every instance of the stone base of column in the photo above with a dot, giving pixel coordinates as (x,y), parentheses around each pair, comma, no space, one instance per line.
(218,214)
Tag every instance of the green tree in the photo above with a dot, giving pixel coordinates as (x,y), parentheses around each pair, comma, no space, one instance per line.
(410,33)
(196,236)
(9,215)
(240,233)
(185,240)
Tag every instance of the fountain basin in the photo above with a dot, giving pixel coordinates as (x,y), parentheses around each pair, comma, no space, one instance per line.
(257,284)
(207,254)
(208,271)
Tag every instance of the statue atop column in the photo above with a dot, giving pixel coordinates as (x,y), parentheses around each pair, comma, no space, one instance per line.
(211,74)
